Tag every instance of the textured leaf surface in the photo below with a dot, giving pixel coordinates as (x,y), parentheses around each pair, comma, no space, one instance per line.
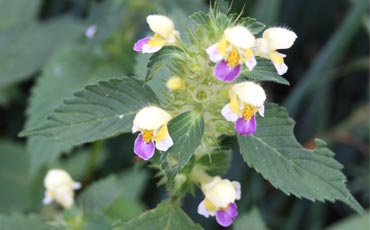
(161,58)
(200,17)
(253,25)
(250,220)
(264,71)
(70,69)
(275,153)
(186,131)
(97,112)
(158,83)
(19,59)
(165,216)
(215,164)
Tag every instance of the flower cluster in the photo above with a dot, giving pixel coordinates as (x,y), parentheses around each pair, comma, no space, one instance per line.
(60,187)
(237,46)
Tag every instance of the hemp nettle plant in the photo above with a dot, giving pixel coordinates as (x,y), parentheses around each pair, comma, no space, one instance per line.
(215,89)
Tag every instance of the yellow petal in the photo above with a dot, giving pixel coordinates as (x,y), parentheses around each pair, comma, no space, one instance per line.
(234,104)
(222,46)
(156,41)
(209,205)
(162,133)
(277,58)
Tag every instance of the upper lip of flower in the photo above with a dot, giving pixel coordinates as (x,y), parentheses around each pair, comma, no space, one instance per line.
(150,118)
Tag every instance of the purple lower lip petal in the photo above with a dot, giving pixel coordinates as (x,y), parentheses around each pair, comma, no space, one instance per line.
(142,149)
(226,73)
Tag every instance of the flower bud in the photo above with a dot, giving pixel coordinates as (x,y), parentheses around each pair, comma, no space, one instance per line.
(175,83)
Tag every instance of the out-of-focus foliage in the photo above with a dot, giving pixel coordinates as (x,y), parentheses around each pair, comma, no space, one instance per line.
(48,60)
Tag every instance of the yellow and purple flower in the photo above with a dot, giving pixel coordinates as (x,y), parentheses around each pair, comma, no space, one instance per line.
(152,123)
(164,34)
(60,187)
(273,39)
(231,52)
(220,195)
(246,99)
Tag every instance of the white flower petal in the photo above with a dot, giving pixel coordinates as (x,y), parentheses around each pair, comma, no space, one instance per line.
(221,194)
(261,111)
(213,53)
(251,63)
(64,196)
(134,128)
(202,210)
(279,38)
(228,113)
(164,144)
(240,37)
(146,48)
(236,185)
(151,118)
(161,25)
(249,93)
(57,177)
(281,68)
(47,199)
(76,186)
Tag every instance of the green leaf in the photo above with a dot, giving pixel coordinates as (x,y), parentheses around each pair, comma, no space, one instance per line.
(186,131)
(97,112)
(275,153)
(19,59)
(200,18)
(20,222)
(107,17)
(250,220)
(158,83)
(215,164)
(128,204)
(264,71)
(26,8)
(69,70)
(353,222)
(15,192)
(115,196)
(166,216)
(252,24)
(166,56)
(101,194)
(44,150)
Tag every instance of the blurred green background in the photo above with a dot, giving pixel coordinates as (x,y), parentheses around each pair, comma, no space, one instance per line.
(43,42)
